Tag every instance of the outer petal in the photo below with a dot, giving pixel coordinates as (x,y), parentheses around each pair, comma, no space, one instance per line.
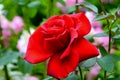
(68,20)
(35,52)
(60,68)
(85,49)
(82,23)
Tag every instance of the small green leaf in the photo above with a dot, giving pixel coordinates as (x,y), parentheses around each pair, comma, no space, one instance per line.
(88,6)
(71,9)
(72,76)
(107,62)
(100,35)
(103,17)
(116,37)
(88,63)
(8,57)
(102,51)
(62,2)
(34,4)
(20,2)
(48,78)
(24,66)
(113,79)
(32,12)
(106,65)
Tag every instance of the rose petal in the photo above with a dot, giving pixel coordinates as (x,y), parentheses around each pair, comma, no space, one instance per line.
(68,20)
(82,23)
(56,44)
(60,68)
(85,49)
(73,35)
(35,52)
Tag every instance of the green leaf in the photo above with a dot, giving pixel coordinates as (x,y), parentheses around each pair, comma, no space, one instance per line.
(100,35)
(48,78)
(8,57)
(62,2)
(102,51)
(107,62)
(34,4)
(88,6)
(113,79)
(24,66)
(116,37)
(32,12)
(88,63)
(72,76)
(106,65)
(20,2)
(103,17)
(71,9)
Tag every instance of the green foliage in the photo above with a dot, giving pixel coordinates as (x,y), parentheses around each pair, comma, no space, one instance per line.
(62,2)
(89,6)
(8,57)
(104,17)
(107,62)
(71,9)
(72,76)
(24,66)
(102,51)
(88,63)
(100,35)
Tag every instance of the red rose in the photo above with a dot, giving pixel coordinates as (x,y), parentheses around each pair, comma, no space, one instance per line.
(61,39)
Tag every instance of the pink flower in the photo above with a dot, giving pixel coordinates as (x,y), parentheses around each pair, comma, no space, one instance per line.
(28,77)
(4,23)
(97,28)
(17,24)
(94,72)
(23,41)
(6,33)
(69,3)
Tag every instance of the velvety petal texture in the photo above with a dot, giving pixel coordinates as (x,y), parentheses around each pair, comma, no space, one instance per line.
(61,40)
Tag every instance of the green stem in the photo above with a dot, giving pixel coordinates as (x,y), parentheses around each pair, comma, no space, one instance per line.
(50,9)
(105,75)
(77,7)
(6,73)
(110,34)
(81,75)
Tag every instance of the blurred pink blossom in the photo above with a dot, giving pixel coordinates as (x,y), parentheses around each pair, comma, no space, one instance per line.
(97,28)
(17,24)
(94,71)
(69,3)
(4,23)
(6,33)
(28,77)
(23,41)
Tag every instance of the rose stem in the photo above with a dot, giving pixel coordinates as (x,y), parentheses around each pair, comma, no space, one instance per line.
(81,75)
(77,7)
(110,34)
(6,72)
